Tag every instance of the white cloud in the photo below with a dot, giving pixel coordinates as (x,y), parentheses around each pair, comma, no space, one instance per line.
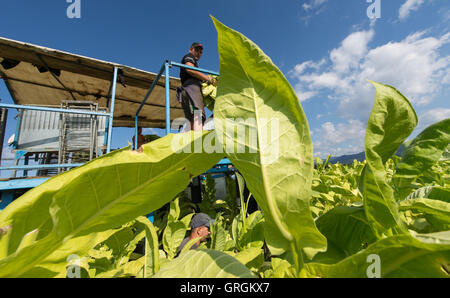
(408,7)
(432,116)
(339,139)
(351,51)
(306,95)
(312,8)
(312,4)
(301,68)
(322,80)
(338,77)
(414,66)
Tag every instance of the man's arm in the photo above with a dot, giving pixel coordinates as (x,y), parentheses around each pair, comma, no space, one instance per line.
(197,74)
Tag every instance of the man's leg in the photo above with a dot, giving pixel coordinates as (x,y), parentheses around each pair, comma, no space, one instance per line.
(188,109)
(198,120)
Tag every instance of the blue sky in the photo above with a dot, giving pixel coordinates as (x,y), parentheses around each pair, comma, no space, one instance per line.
(327,49)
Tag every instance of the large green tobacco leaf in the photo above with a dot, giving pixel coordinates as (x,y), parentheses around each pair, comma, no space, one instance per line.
(218,236)
(378,215)
(103,194)
(112,256)
(421,154)
(54,265)
(252,258)
(253,234)
(430,207)
(400,256)
(280,269)
(151,258)
(433,202)
(346,230)
(392,120)
(249,231)
(446,154)
(431,192)
(172,237)
(204,264)
(119,242)
(175,229)
(272,147)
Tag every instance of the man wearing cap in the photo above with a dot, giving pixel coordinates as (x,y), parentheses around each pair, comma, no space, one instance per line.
(200,229)
(190,95)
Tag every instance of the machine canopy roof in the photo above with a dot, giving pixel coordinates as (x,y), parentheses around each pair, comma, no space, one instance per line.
(41,76)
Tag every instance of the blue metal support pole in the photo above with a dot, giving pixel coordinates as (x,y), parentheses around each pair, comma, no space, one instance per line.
(16,134)
(136,120)
(19,155)
(106,131)
(39,167)
(7,198)
(35,108)
(194,68)
(27,159)
(111,114)
(21,184)
(151,217)
(167,65)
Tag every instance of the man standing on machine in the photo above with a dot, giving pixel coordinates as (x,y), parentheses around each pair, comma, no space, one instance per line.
(190,94)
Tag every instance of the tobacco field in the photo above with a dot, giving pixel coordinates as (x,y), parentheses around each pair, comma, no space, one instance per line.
(315,219)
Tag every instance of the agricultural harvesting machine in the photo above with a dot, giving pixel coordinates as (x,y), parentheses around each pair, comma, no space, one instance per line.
(67,106)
